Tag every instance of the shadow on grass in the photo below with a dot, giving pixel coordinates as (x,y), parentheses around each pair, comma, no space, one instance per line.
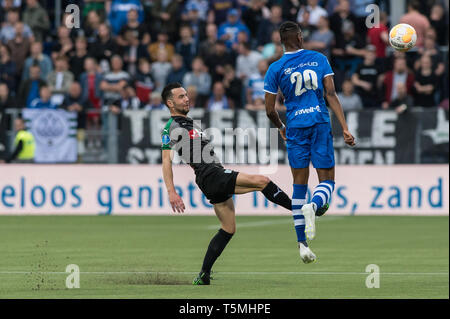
(146,279)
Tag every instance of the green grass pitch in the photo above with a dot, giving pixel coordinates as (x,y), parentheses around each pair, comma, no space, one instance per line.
(158,256)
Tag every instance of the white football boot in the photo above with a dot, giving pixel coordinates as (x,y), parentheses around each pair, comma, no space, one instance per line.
(310,221)
(306,254)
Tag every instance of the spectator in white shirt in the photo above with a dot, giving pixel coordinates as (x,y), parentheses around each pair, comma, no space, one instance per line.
(247,61)
(315,11)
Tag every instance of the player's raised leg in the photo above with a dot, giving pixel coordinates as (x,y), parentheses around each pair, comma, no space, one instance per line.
(323,191)
(225,213)
(246,183)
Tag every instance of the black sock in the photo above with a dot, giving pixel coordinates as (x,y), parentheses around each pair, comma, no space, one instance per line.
(215,248)
(277,196)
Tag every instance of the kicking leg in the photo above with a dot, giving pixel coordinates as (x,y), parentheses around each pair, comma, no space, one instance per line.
(246,183)
(225,213)
(322,193)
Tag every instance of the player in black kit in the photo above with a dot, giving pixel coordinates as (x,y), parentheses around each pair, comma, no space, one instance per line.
(181,134)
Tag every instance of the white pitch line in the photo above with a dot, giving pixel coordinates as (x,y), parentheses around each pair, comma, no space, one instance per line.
(231,273)
(288,220)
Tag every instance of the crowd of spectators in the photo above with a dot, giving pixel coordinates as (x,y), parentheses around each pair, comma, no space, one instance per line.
(126,51)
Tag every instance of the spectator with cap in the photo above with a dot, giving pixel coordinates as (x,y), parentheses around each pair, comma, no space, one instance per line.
(229,30)
(118,12)
(315,11)
(218,10)
(366,79)
(417,20)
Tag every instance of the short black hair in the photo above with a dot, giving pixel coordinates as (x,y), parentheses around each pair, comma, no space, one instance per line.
(288,30)
(167,91)
(414,4)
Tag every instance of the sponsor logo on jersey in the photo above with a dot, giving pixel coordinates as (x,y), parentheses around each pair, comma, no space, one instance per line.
(165,139)
(312,109)
(195,133)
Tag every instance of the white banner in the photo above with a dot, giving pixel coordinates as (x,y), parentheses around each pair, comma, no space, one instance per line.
(54,132)
(140,190)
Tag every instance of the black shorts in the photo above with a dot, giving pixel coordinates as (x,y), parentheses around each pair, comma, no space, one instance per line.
(217,183)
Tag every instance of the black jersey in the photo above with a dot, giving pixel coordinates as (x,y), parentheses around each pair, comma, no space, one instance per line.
(185,136)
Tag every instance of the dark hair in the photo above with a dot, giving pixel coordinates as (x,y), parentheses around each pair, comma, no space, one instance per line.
(167,91)
(288,30)
(414,4)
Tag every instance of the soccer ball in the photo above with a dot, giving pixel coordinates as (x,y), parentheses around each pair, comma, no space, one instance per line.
(402,37)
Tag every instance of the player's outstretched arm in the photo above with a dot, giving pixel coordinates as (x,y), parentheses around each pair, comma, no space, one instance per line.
(175,200)
(335,105)
(272,113)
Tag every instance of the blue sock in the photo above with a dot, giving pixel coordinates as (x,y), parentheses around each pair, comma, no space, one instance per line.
(322,193)
(298,200)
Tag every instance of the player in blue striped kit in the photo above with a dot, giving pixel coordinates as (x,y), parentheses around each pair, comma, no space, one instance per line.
(304,77)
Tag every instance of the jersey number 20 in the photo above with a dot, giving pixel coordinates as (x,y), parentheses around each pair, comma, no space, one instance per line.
(309,78)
